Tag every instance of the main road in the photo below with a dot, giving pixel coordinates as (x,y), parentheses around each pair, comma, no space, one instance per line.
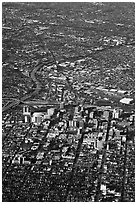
(36,91)
(39,64)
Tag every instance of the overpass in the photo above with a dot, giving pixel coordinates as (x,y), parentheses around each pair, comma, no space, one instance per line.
(27,96)
(38,103)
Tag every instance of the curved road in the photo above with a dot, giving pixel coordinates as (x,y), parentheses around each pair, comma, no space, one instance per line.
(37,89)
(37,67)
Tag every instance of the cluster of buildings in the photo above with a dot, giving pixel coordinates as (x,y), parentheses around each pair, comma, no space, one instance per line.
(96,118)
(47,147)
(81,147)
(80,80)
(35,116)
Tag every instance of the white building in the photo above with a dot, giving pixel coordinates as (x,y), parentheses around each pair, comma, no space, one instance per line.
(26,110)
(37,118)
(126,100)
(49,113)
(115,114)
(122,92)
(26,113)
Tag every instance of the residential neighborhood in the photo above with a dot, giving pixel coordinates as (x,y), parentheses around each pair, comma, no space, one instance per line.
(68,102)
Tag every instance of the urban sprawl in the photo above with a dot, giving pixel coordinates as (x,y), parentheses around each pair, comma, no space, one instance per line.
(68,124)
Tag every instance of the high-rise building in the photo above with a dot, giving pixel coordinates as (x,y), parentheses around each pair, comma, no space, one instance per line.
(37,118)
(26,114)
(26,110)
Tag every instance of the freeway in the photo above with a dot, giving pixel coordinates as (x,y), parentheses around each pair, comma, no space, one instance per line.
(37,67)
(36,91)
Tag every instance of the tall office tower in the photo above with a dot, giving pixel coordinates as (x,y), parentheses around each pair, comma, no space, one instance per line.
(26,113)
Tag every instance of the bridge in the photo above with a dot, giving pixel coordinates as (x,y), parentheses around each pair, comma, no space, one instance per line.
(39,102)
